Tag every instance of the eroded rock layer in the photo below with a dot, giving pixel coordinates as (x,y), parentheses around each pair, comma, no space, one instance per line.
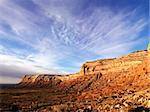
(129,69)
(117,84)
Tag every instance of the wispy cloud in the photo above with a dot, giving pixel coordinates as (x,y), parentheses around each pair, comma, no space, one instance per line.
(57,36)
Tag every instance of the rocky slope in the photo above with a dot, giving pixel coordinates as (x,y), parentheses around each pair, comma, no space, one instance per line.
(117,84)
(44,80)
(39,81)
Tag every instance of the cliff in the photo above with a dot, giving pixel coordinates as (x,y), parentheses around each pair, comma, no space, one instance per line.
(121,64)
(108,75)
(107,85)
(40,80)
(45,80)
(126,70)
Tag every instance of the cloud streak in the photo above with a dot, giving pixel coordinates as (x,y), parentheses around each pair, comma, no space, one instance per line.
(58,36)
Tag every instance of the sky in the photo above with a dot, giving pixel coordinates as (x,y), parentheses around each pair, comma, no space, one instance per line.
(58,36)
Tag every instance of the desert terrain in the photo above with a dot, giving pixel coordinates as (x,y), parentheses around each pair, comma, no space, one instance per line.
(107,85)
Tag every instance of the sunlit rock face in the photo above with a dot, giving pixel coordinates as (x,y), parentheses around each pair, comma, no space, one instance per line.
(121,64)
(41,80)
(45,80)
(123,72)
(130,70)
(118,84)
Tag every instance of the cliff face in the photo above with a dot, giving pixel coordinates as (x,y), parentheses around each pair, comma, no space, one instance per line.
(39,81)
(113,85)
(121,64)
(113,74)
(130,70)
(45,80)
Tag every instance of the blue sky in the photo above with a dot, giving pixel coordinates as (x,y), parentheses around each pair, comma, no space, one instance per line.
(58,36)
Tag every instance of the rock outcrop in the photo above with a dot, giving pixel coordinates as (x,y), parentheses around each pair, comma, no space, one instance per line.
(114,65)
(117,71)
(41,80)
(118,84)
(45,80)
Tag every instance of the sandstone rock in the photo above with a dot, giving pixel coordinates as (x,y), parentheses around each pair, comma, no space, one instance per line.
(125,104)
(112,83)
(148,104)
(117,106)
(41,80)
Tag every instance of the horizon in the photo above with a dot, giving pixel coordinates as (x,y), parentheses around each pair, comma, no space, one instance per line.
(58,36)
(20,79)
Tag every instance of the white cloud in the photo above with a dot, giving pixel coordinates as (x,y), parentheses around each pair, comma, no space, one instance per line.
(109,28)
(9,79)
(56,34)
(13,66)
(120,49)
